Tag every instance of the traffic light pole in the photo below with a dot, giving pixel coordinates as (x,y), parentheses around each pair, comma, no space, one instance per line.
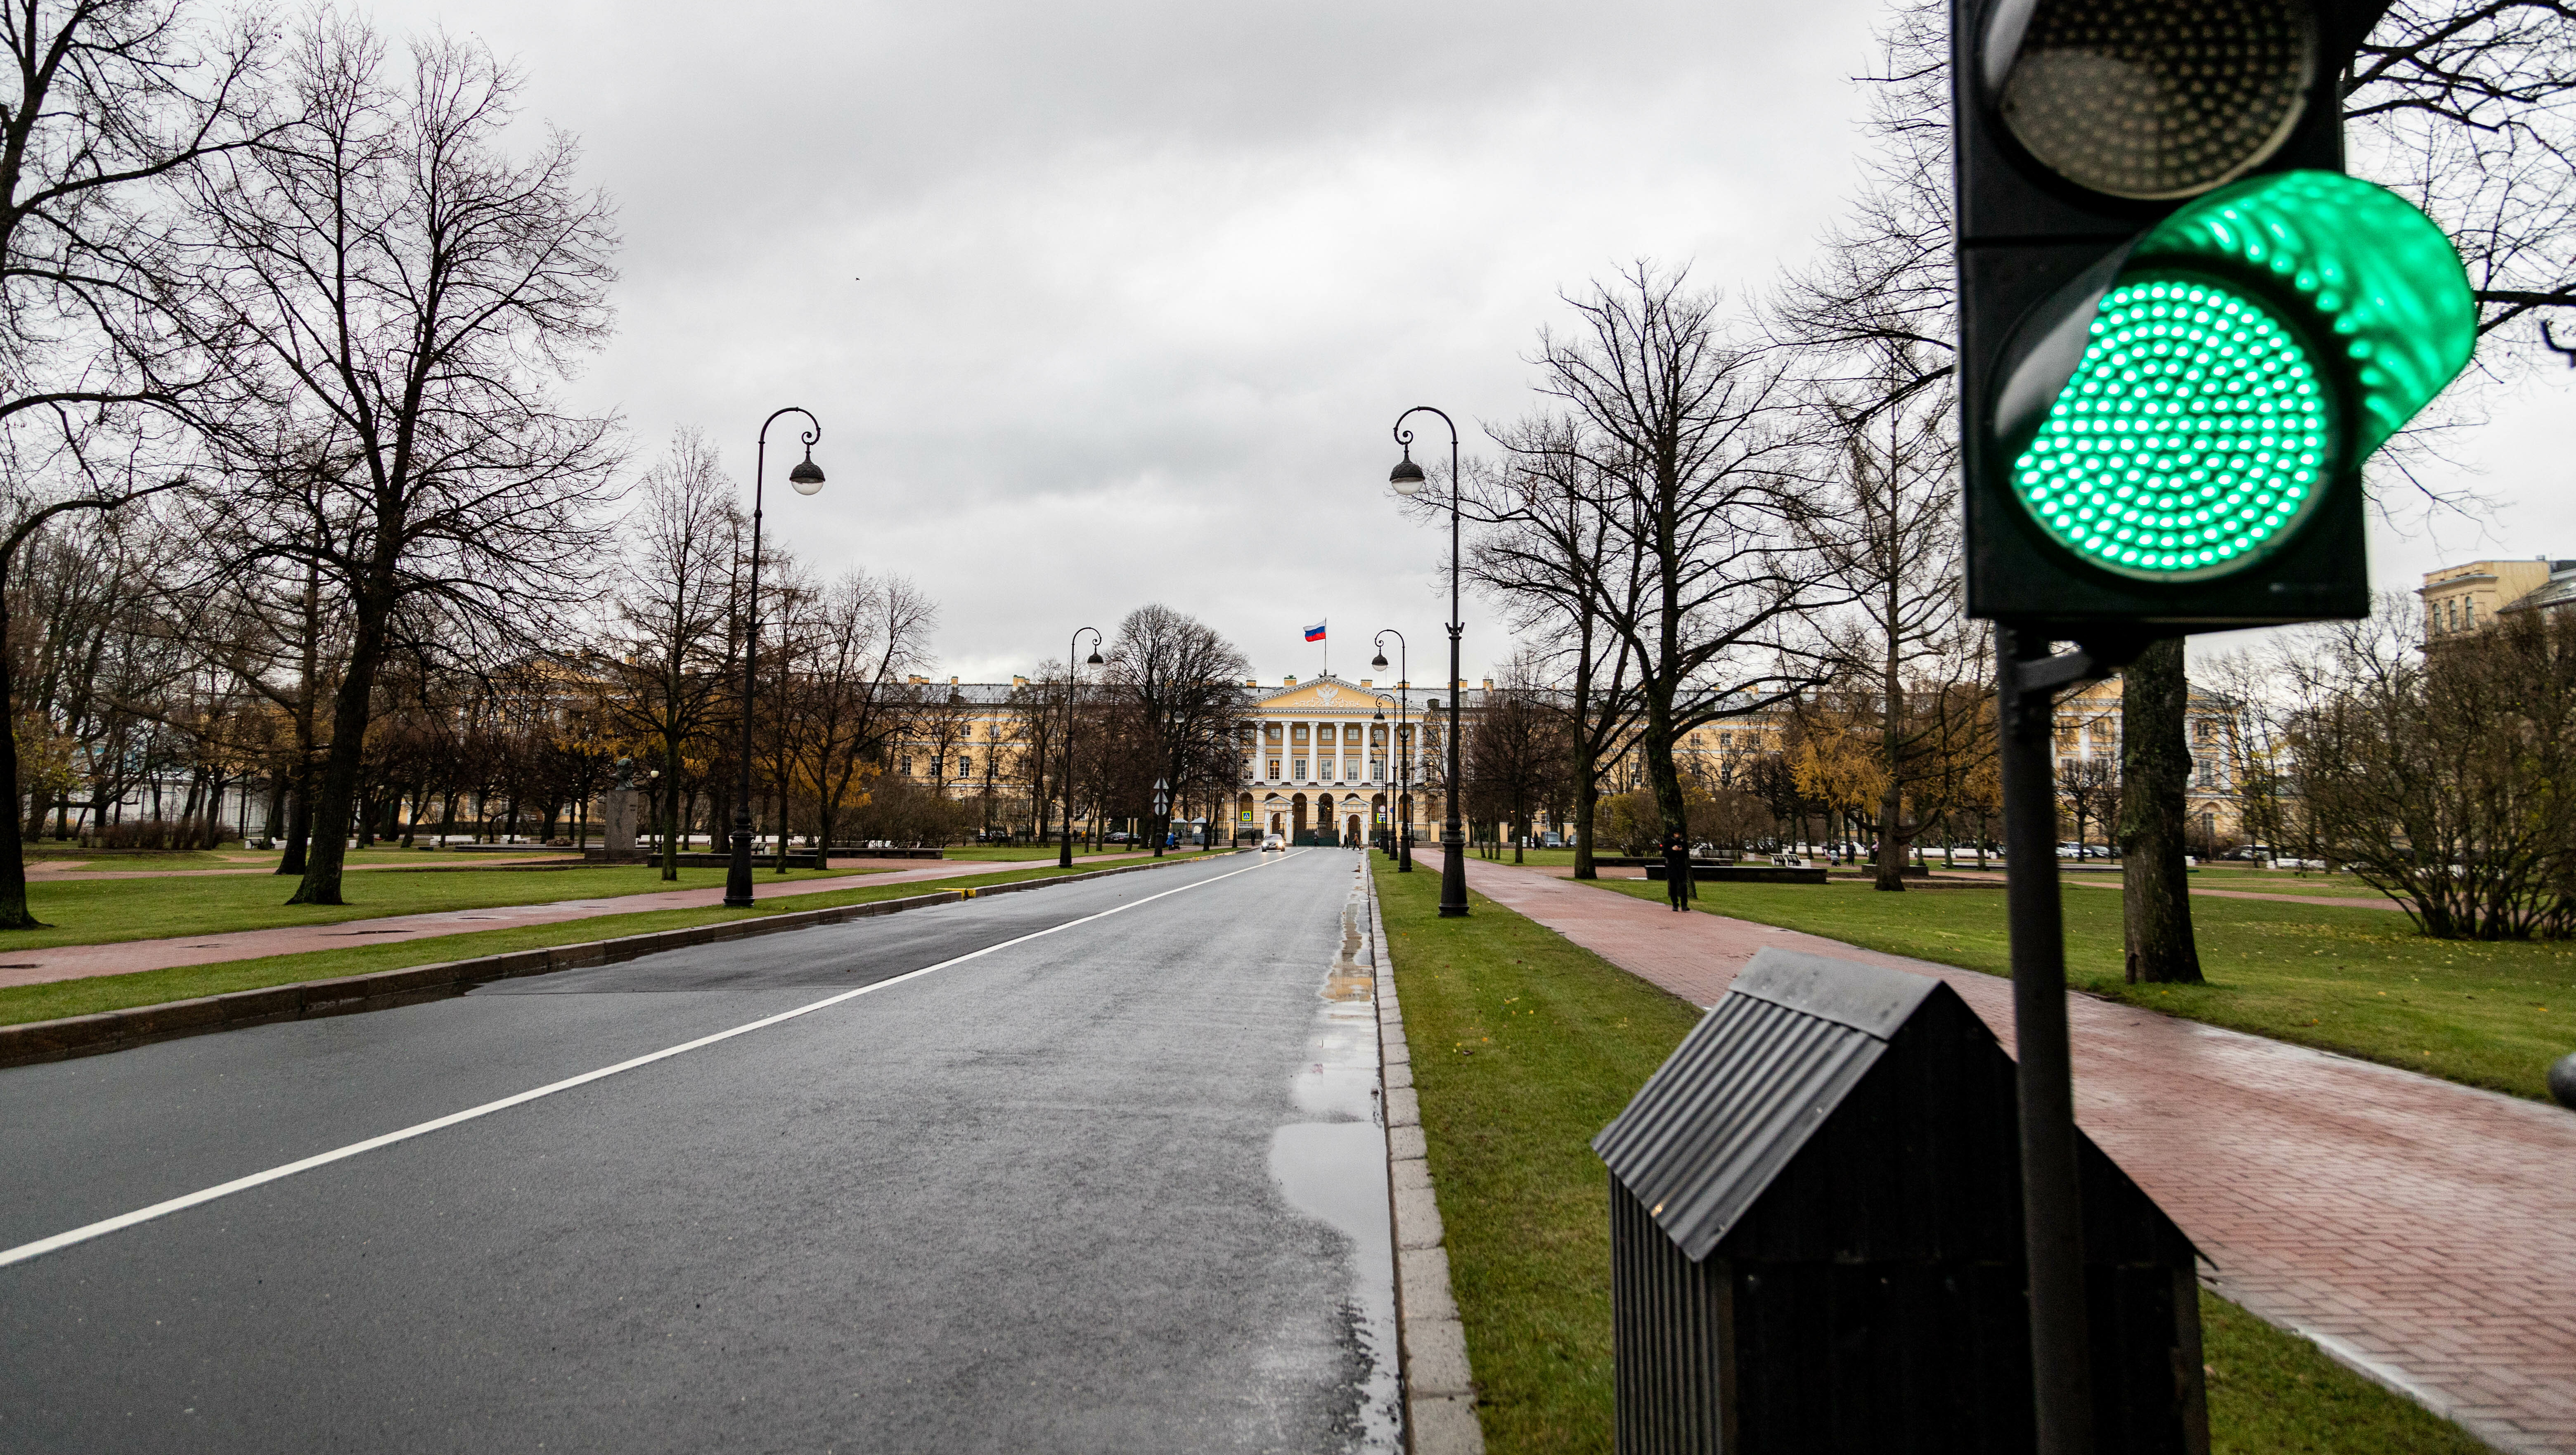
(2051,1200)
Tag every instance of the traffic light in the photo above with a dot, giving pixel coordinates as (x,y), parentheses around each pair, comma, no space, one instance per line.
(2182,328)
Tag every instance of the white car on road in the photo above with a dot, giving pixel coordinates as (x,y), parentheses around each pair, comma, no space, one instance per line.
(1273,842)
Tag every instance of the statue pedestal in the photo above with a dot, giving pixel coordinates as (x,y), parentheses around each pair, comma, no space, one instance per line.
(617,815)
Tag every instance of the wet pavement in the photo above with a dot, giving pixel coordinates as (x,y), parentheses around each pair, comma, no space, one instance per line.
(1107,1185)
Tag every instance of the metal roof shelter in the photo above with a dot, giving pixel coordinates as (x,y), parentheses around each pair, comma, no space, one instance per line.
(1816,1237)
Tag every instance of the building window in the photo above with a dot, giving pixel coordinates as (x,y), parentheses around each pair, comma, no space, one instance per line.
(1297,768)
(2208,772)
(1274,767)
(965,766)
(1297,733)
(1377,767)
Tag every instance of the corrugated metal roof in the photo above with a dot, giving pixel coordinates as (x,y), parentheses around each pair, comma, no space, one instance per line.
(1716,1122)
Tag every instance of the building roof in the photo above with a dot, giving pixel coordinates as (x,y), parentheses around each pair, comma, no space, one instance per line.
(1718,1121)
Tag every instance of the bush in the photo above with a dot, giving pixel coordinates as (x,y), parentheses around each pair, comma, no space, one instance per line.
(902,812)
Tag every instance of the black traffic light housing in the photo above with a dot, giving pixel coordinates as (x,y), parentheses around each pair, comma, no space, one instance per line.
(2029,241)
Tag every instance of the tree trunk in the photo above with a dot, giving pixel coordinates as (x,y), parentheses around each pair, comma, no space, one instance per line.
(332,808)
(670,807)
(13,862)
(2155,770)
(299,819)
(1892,841)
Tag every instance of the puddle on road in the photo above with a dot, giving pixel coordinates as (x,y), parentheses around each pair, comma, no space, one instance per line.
(1332,1168)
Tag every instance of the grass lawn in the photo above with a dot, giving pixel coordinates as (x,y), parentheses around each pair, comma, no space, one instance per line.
(102,911)
(1524,1046)
(2359,981)
(152,987)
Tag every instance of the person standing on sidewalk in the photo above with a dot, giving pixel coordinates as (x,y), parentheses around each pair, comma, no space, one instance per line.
(1677,869)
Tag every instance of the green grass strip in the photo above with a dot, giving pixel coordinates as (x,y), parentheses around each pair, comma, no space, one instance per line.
(2357,981)
(1524,1046)
(96,993)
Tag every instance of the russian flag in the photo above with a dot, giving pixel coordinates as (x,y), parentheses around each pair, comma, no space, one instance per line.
(1315,633)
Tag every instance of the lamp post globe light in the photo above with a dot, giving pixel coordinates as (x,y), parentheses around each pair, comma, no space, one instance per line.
(1407,478)
(1404,749)
(807,477)
(1064,851)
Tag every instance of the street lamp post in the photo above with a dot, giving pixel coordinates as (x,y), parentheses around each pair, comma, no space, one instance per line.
(1404,750)
(1407,479)
(1064,851)
(1395,815)
(807,477)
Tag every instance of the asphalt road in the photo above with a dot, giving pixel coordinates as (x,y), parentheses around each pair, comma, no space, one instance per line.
(1078,1193)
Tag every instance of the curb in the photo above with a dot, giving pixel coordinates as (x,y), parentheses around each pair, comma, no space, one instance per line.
(1439,1388)
(116,1030)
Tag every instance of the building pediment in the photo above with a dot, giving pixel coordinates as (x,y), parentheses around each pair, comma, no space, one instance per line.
(1324,695)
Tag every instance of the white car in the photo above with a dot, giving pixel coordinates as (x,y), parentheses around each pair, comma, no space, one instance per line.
(1273,842)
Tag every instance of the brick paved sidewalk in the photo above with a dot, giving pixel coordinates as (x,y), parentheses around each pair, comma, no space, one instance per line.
(75,962)
(2422,1231)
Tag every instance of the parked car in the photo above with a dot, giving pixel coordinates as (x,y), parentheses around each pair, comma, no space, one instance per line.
(1271,842)
(1118,837)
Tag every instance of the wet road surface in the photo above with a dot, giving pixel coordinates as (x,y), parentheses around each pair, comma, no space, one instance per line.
(1084,1191)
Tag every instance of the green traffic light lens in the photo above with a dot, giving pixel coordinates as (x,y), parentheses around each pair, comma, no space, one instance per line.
(2252,350)
(2376,281)
(2192,440)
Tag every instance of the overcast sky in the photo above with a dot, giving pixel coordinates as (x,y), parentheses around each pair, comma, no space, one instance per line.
(1103,303)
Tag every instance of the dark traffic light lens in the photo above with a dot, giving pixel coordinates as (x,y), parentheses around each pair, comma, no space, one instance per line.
(2158,98)
(2192,438)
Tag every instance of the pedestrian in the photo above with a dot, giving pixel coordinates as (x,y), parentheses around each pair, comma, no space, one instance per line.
(1677,869)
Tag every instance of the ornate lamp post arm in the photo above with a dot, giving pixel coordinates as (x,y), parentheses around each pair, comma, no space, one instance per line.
(1407,480)
(1064,851)
(807,478)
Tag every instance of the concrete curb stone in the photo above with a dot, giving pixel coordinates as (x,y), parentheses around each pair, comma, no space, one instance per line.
(1439,1386)
(116,1030)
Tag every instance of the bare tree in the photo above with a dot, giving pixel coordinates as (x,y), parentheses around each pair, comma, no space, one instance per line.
(1184,683)
(668,639)
(1517,749)
(2089,788)
(1689,427)
(864,636)
(1550,550)
(414,288)
(105,103)
(2443,778)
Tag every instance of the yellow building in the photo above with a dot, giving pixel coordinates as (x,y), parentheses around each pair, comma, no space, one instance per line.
(2461,599)
(1317,761)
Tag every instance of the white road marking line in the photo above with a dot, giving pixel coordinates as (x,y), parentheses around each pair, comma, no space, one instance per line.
(122,1221)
